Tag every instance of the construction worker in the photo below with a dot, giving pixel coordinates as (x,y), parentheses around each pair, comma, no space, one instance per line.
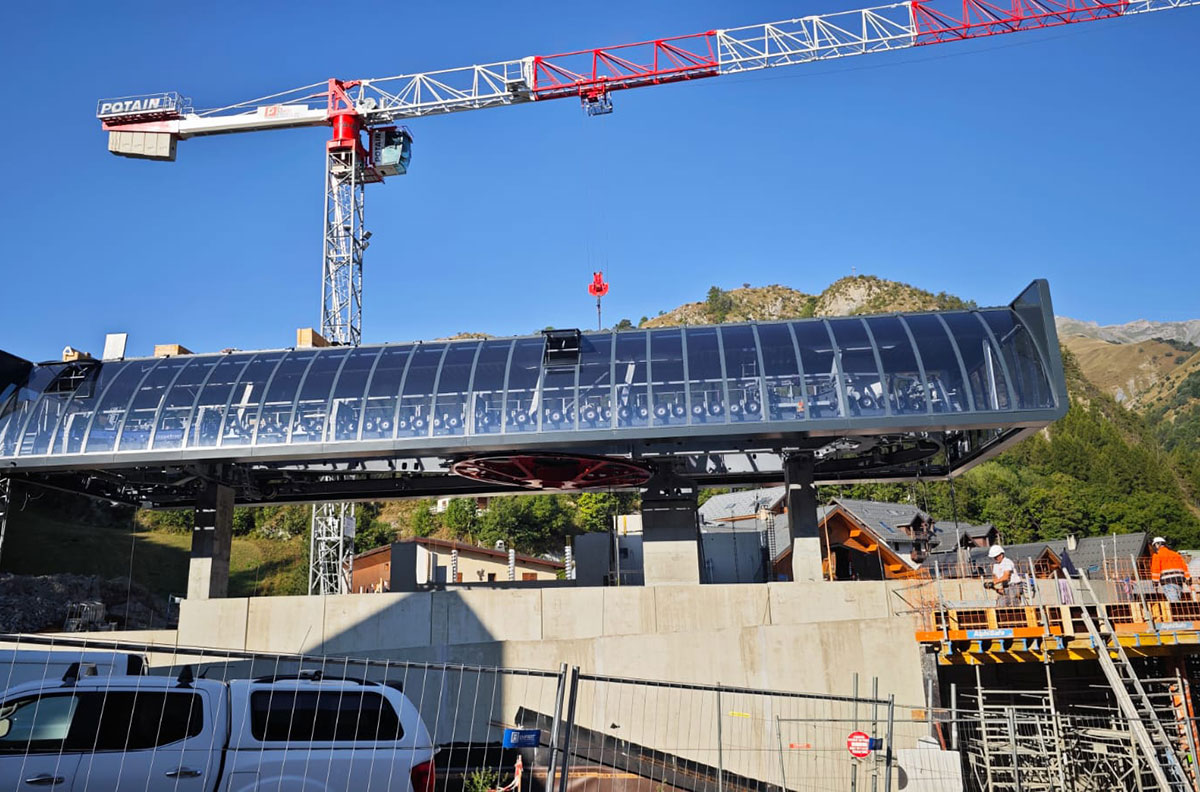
(1169,570)
(1005,580)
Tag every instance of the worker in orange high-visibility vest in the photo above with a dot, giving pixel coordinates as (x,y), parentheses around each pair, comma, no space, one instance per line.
(1169,570)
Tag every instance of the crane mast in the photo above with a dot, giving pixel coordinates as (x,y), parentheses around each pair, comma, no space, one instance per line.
(150,127)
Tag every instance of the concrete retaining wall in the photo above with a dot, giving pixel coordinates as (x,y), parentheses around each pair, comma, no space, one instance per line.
(782,636)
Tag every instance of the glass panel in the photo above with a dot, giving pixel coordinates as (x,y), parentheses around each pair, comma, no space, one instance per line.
(37,724)
(820,373)
(632,409)
(669,407)
(946,392)
(980,359)
(346,409)
(322,716)
(900,371)
(706,376)
(1030,384)
(176,417)
(140,423)
(522,385)
(19,406)
(450,410)
(489,386)
(864,386)
(210,410)
(416,403)
(281,396)
(383,393)
(107,423)
(558,399)
(595,382)
(246,398)
(785,391)
(742,372)
(126,720)
(308,424)
(40,427)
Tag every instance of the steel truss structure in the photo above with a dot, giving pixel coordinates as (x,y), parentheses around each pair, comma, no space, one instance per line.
(149,127)
(331,552)
(593,73)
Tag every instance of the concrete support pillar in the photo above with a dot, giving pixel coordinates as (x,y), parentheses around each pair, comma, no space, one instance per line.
(670,530)
(212,540)
(802,517)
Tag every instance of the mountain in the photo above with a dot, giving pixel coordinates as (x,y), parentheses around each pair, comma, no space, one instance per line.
(856,294)
(1123,459)
(1134,373)
(1187,332)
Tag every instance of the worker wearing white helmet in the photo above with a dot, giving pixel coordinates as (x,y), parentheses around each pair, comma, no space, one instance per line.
(1005,579)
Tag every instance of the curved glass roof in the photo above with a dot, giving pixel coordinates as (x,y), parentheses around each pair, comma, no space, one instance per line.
(990,367)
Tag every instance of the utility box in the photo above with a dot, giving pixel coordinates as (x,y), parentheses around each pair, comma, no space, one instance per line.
(71,355)
(391,150)
(306,338)
(170,350)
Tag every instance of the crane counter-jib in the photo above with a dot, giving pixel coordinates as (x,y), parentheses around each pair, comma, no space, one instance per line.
(149,126)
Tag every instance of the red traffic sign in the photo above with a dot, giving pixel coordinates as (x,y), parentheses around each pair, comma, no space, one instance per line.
(859,744)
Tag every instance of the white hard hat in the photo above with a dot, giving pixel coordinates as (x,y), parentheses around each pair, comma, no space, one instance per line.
(995,550)
(1159,540)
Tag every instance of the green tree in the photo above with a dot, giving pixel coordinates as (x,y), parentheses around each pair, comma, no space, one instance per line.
(283,522)
(424,521)
(243,522)
(594,511)
(531,523)
(718,304)
(703,495)
(372,533)
(624,324)
(461,517)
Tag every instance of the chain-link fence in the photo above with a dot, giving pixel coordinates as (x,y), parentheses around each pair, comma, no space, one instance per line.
(102,714)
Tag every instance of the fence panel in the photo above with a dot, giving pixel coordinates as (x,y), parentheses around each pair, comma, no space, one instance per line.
(466,711)
(652,736)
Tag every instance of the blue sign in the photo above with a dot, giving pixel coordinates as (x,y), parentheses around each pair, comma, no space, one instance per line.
(983,634)
(522,738)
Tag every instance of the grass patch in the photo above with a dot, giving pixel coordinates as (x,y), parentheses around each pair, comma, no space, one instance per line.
(39,545)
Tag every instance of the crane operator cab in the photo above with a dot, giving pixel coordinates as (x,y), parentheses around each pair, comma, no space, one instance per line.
(391,150)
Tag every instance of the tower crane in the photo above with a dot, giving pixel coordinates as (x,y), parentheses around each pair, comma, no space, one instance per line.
(367,144)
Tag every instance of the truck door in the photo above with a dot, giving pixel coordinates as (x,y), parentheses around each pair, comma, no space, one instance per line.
(148,740)
(33,741)
(345,739)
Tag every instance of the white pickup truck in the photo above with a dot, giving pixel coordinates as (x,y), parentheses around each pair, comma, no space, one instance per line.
(148,733)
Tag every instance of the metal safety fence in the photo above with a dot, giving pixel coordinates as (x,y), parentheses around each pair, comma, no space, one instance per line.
(96,714)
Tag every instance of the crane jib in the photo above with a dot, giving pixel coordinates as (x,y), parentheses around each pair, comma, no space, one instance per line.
(592,74)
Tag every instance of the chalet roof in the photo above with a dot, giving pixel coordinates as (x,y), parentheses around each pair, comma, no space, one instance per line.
(446,545)
(744,503)
(1091,551)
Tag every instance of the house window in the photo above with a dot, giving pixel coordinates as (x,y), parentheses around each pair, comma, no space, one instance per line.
(491,577)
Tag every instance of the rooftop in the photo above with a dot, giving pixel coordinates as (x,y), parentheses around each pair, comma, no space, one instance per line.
(871,397)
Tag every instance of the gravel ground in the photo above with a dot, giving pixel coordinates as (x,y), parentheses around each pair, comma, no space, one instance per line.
(31,603)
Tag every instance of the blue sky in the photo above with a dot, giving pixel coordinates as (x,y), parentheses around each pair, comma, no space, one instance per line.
(1067,154)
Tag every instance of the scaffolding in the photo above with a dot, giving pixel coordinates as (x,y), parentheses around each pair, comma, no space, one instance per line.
(1043,740)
